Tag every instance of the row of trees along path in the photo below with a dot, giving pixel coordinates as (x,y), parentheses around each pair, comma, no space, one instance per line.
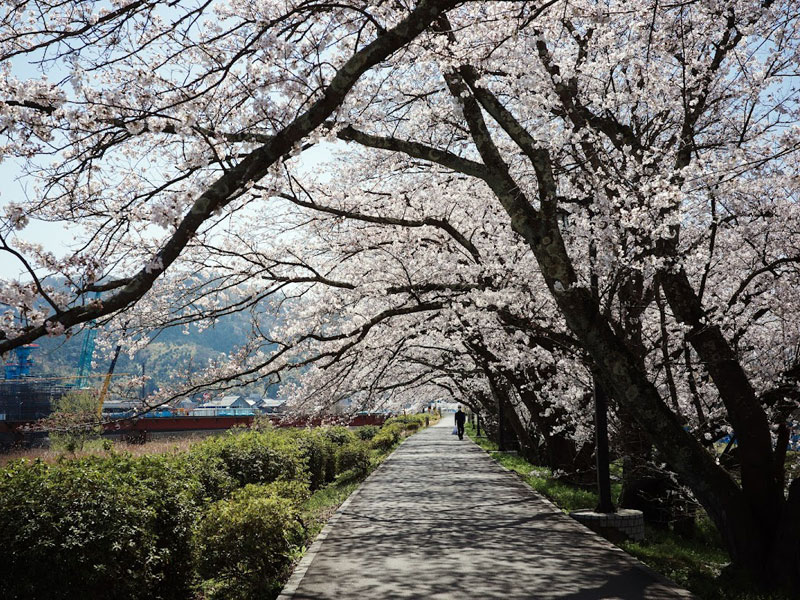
(526,199)
(440,519)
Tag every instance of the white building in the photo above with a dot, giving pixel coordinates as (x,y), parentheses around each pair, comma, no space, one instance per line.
(227,402)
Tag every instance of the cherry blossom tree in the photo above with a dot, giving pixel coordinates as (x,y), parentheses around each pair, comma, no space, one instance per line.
(394,248)
(645,157)
(552,192)
(164,119)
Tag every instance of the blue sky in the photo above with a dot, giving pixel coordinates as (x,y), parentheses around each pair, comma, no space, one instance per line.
(57,237)
(54,236)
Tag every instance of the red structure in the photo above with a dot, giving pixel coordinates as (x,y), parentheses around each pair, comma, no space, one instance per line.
(189,423)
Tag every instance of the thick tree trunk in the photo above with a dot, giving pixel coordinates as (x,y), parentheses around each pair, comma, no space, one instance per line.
(515,435)
(746,519)
(646,486)
(761,485)
(784,556)
(561,452)
(522,440)
(746,516)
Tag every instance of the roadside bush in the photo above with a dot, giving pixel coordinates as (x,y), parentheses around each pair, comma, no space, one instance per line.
(245,544)
(252,457)
(95,528)
(173,494)
(214,482)
(318,454)
(388,436)
(353,457)
(394,428)
(339,435)
(126,527)
(409,421)
(367,432)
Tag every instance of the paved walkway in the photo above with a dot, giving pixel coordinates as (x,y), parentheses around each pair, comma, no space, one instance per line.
(441,520)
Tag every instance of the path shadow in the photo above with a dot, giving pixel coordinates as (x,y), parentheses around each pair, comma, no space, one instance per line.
(441,520)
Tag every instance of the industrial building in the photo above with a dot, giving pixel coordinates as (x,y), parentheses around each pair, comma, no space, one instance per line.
(22,396)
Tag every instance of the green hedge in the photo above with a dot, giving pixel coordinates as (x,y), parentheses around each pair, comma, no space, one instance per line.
(367,432)
(388,436)
(409,421)
(253,457)
(120,526)
(96,528)
(354,457)
(246,543)
(339,436)
(156,526)
(315,452)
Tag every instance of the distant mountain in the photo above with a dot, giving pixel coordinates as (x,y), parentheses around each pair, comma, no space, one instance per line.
(171,350)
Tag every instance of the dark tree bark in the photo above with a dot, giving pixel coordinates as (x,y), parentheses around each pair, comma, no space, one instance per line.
(751,517)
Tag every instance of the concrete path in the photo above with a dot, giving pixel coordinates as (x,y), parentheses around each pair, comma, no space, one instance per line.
(440,519)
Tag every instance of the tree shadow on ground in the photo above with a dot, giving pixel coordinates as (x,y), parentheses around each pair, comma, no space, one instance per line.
(442,520)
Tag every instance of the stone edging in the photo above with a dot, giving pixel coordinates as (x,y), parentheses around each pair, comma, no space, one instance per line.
(679,591)
(302,567)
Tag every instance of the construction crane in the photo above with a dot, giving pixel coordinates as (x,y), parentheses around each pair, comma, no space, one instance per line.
(107,380)
(85,362)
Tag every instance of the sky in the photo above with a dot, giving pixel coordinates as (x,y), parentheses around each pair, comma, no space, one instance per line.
(58,238)
(53,235)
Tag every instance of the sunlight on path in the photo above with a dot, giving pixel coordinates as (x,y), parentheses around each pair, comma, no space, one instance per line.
(440,520)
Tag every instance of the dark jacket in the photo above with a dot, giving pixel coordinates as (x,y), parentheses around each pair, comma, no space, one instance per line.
(461,417)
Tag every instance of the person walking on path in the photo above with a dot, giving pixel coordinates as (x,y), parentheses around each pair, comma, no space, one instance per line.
(443,521)
(461,418)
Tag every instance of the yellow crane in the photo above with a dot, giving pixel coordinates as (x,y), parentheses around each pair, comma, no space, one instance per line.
(107,380)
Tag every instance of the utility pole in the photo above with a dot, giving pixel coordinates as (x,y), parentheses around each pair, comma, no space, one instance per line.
(501,430)
(600,400)
(601,449)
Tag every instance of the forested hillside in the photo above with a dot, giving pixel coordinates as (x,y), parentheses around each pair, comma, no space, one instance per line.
(171,352)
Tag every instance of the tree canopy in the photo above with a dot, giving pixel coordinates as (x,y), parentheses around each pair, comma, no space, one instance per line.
(526,198)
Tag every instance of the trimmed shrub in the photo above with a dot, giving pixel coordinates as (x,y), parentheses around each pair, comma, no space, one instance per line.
(354,457)
(174,495)
(125,527)
(339,435)
(367,432)
(410,421)
(251,457)
(245,544)
(318,454)
(214,482)
(388,436)
(96,528)
(394,428)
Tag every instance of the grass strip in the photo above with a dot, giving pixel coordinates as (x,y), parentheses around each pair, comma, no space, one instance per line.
(694,564)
